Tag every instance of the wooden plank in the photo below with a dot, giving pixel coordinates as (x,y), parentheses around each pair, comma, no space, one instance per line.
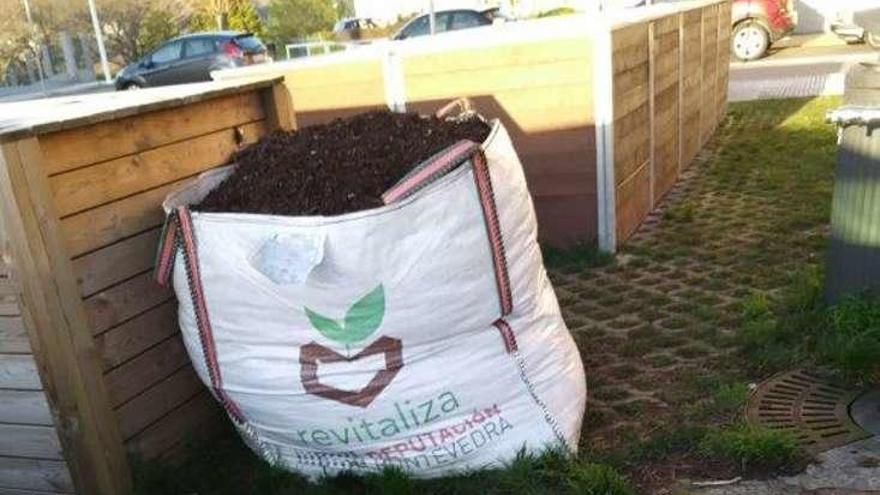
(630,100)
(34,474)
(137,375)
(629,161)
(666,43)
(629,35)
(340,99)
(36,442)
(278,108)
(52,115)
(19,371)
(567,219)
(157,401)
(102,268)
(9,304)
(496,79)
(463,63)
(138,334)
(24,407)
(666,24)
(53,312)
(629,57)
(343,74)
(633,202)
(548,185)
(13,336)
(633,77)
(102,183)
(111,307)
(74,148)
(196,417)
(526,112)
(104,225)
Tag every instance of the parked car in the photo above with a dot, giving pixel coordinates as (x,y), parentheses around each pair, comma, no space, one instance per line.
(757,24)
(352,28)
(191,58)
(445,20)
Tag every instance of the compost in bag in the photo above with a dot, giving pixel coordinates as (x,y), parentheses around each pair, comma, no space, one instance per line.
(336,168)
(365,294)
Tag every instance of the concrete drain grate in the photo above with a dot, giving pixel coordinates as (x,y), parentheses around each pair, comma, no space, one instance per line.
(811,406)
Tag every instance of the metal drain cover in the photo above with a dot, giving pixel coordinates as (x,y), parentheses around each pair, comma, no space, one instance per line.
(813,407)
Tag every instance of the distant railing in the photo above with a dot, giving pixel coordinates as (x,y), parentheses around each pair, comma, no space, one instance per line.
(311,48)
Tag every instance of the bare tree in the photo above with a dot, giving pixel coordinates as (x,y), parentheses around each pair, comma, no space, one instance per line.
(134,27)
(14,35)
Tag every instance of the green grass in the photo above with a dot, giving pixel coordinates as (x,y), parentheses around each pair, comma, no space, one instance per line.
(798,328)
(683,213)
(754,447)
(228,468)
(575,258)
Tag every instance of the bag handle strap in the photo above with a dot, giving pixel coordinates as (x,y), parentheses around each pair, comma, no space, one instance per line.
(464,105)
(439,165)
(425,173)
(179,234)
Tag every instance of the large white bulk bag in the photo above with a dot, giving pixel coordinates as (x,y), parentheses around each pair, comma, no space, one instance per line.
(424,334)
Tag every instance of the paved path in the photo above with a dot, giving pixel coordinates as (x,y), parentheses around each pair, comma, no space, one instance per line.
(796,72)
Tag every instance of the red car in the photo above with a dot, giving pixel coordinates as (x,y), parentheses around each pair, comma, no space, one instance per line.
(757,24)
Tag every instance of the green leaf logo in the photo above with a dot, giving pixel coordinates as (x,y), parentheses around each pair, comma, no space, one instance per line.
(361,320)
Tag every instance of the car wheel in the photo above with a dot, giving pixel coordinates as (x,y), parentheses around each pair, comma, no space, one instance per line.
(873,39)
(749,41)
(131,86)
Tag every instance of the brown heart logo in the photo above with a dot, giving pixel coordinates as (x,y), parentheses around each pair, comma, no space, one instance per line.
(311,354)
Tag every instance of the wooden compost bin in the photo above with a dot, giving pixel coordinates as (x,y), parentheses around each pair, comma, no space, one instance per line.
(93,372)
(604,112)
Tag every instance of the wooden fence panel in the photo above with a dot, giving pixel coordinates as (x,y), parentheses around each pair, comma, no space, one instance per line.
(30,451)
(84,192)
(666,104)
(723,58)
(692,85)
(709,106)
(40,475)
(541,91)
(631,86)
(323,92)
(111,220)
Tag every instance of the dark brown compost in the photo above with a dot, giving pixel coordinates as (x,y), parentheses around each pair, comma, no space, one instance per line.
(334,168)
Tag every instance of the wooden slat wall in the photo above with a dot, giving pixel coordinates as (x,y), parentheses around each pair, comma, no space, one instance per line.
(692,82)
(325,92)
(30,452)
(666,87)
(723,59)
(632,139)
(670,93)
(108,181)
(542,91)
(709,108)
